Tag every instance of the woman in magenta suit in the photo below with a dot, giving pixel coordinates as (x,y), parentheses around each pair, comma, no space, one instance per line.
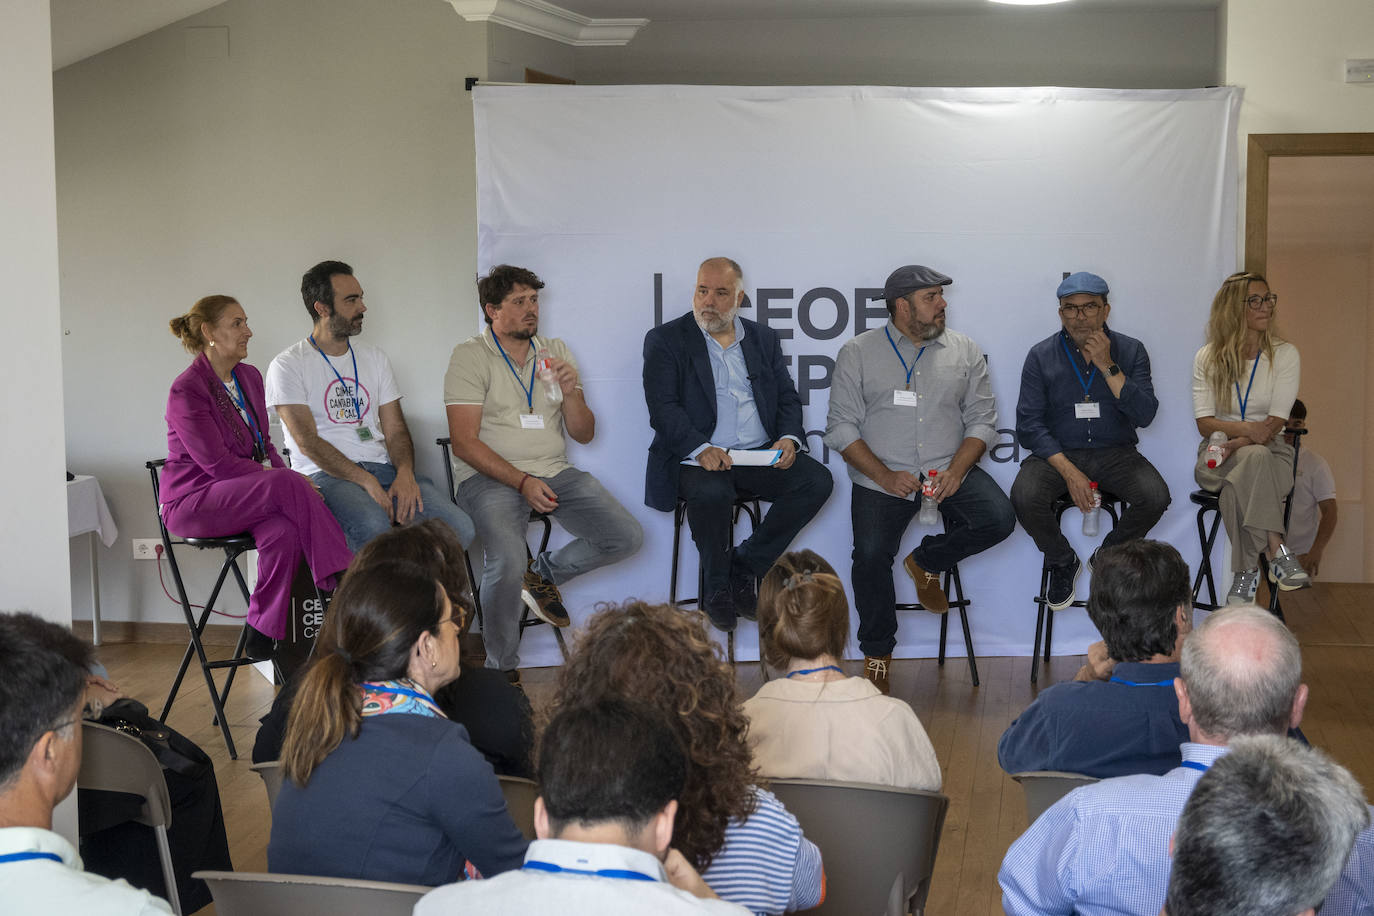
(223,476)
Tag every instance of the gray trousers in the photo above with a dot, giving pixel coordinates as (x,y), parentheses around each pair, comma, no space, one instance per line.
(1250,485)
(604,533)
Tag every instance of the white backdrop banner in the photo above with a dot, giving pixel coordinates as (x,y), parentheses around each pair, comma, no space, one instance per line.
(614,195)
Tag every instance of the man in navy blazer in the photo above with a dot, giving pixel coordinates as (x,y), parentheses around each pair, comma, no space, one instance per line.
(714,382)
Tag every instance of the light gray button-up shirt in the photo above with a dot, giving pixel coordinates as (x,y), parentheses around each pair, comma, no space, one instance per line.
(953,400)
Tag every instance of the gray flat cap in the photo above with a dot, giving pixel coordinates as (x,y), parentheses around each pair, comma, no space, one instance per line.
(910,278)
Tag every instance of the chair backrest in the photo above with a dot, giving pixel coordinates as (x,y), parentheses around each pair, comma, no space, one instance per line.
(520,795)
(878,842)
(1045,787)
(113,761)
(258,894)
(270,771)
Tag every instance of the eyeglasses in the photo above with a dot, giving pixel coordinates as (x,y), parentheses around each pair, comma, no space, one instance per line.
(1087,311)
(1262,303)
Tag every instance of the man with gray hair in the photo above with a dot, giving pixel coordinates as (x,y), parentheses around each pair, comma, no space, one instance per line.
(1266,832)
(1104,848)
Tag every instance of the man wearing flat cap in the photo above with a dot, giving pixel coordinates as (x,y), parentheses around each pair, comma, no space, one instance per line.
(1084,391)
(906,399)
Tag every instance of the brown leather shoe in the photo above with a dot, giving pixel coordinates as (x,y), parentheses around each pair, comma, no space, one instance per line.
(928,590)
(875,669)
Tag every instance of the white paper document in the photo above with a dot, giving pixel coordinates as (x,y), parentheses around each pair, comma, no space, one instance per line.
(748,457)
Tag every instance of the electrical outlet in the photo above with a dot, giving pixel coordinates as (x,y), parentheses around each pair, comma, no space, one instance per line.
(146,548)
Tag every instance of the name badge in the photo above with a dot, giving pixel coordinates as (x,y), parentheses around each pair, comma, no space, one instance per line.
(903,398)
(1087,410)
(364,434)
(531,421)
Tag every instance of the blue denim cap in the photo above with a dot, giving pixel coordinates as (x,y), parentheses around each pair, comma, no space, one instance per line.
(1082,282)
(910,278)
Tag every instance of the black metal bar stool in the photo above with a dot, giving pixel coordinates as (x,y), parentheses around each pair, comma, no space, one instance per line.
(749,505)
(958,601)
(1044,615)
(526,619)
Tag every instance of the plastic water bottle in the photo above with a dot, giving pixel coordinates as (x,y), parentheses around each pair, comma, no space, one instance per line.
(930,511)
(1090,518)
(544,370)
(1216,444)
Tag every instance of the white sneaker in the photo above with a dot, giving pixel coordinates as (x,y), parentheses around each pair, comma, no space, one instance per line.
(1287,573)
(1244,586)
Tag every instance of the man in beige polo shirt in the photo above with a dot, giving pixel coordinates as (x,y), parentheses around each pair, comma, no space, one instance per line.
(509,457)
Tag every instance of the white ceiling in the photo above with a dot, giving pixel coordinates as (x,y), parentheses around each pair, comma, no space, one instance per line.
(81,28)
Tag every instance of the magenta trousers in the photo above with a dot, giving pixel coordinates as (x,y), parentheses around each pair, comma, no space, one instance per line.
(287,519)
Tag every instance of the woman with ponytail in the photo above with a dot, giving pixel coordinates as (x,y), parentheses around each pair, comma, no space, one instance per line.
(223,475)
(815,722)
(379,785)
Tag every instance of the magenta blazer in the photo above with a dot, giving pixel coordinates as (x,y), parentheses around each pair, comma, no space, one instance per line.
(207,439)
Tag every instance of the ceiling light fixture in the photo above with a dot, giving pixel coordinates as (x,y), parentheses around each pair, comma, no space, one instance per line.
(1029,2)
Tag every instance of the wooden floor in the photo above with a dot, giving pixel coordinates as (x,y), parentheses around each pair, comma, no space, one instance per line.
(1332,621)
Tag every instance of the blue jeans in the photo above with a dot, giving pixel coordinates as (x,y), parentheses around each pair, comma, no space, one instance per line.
(362,519)
(978,516)
(603,531)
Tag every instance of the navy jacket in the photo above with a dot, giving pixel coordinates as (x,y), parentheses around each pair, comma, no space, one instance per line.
(681,394)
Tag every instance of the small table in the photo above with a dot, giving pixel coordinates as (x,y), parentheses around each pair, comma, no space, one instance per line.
(89,513)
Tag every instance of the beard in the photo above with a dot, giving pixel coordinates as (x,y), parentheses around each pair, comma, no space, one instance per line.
(718,324)
(928,331)
(523,333)
(339,326)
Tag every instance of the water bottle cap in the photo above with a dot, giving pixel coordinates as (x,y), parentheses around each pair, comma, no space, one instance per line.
(932,472)
(1093,484)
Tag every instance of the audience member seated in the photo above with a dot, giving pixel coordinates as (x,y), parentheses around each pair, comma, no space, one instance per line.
(746,845)
(43,670)
(223,475)
(610,776)
(496,714)
(1104,848)
(379,784)
(1266,832)
(815,723)
(1119,716)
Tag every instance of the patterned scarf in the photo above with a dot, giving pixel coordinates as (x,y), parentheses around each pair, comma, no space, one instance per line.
(401,695)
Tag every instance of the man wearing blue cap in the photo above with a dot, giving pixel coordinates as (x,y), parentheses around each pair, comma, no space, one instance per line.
(906,400)
(1084,392)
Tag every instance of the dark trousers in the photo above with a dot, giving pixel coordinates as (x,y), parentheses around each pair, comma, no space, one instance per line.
(977,516)
(796,494)
(1121,470)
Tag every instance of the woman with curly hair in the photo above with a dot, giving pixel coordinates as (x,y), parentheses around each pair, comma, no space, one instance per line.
(1256,467)
(814,722)
(746,845)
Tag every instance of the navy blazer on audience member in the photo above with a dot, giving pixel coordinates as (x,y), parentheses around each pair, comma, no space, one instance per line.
(681,393)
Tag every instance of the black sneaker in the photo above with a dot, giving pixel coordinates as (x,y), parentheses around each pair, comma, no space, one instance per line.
(744,593)
(1059,595)
(720,607)
(547,602)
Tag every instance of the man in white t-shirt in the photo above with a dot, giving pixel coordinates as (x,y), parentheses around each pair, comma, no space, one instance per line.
(1313,519)
(43,671)
(341,415)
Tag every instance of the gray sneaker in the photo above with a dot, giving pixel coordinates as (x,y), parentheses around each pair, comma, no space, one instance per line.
(1287,573)
(1243,587)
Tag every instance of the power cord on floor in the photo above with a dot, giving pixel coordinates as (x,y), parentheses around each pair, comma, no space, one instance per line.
(199,607)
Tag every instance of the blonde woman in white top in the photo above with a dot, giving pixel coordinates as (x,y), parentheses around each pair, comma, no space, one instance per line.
(814,722)
(1245,379)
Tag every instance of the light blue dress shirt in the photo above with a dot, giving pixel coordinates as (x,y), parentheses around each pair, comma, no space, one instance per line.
(737,418)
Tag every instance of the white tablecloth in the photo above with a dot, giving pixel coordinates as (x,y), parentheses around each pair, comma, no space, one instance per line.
(88,511)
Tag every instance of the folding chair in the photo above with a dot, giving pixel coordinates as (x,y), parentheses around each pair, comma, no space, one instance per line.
(270,771)
(234,546)
(1043,788)
(112,761)
(879,843)
(520,794)
(255,894)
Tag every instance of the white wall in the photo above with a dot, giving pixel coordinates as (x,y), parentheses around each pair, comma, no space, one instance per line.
(333,129)
(1001,47)
(510,51)
(33,538)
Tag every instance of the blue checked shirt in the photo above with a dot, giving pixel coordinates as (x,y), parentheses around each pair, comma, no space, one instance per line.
(1104,849)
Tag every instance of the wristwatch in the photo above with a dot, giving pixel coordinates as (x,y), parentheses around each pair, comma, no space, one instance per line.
(1113,369)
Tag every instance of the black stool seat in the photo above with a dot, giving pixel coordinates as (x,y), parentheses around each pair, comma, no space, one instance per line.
(1044,616)
(228,542)
(1203,497)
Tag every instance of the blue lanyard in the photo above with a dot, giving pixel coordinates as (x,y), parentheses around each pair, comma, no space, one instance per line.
(1246,400)
(1194,765)
(26,856)
(899,356)
(248,414)
(814,670)
(1121,680)
(529,392)
(625,873)
(357,404)
(1063,339)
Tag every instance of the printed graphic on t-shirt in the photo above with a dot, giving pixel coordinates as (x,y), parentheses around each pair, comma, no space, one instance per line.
(342,400)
